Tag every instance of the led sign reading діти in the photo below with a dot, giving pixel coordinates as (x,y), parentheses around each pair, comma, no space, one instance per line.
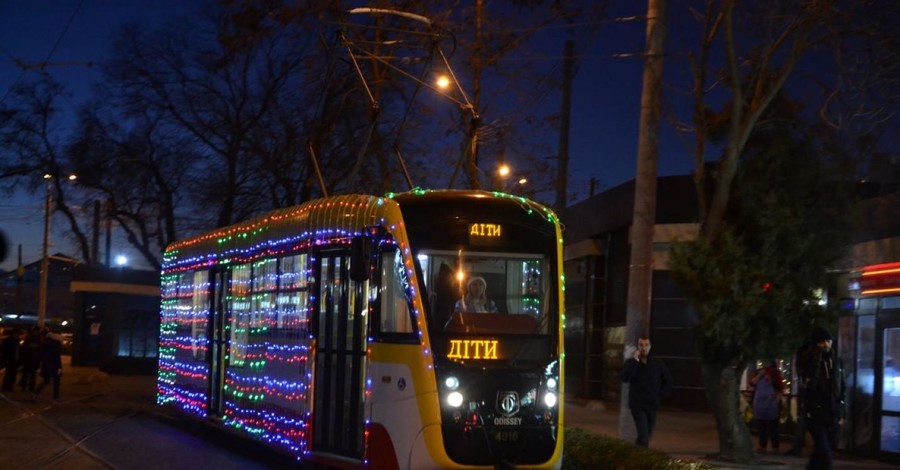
(473,349)
(485,230)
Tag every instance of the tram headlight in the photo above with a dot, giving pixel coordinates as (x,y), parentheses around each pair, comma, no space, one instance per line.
(551,383)
(451,382)
(550,399)
(455,399)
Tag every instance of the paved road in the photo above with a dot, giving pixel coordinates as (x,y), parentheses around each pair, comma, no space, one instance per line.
(111,422)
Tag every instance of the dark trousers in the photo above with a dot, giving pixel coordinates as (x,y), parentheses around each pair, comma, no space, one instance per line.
(44,380)
(800,432)
(644,420)
(28,380)
(9,379)
(768,430)
(821,457)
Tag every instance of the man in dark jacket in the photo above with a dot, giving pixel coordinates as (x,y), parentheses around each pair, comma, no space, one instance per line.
(10,357)
(31,358)
(822,377)
(649,381)
(51,365)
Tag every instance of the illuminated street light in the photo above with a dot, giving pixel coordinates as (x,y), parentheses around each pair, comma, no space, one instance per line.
(442,82)
(121,260)
(504,173)
(45,258)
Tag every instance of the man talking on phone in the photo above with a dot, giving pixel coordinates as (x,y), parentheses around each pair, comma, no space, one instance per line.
(649,381)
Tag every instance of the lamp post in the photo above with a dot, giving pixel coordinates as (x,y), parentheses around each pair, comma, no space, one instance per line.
(45,257)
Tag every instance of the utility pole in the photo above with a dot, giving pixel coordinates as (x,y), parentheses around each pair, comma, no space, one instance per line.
(95,236)
(564,118)
(475,122)
(45,257)
(640,270)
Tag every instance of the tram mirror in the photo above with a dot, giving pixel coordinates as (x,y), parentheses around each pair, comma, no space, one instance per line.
(360,258)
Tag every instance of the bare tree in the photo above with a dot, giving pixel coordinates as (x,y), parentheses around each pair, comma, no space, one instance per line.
(736,95)
(33,148)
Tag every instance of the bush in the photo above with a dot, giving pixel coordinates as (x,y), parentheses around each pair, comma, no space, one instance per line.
(584,450)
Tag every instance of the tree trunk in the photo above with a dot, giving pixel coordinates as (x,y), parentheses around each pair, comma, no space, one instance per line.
(722,392)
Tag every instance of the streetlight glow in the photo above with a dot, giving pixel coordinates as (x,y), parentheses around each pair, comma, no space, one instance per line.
(121,260)
(503,170)
(442,82)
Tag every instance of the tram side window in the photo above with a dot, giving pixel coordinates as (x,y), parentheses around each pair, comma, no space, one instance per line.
(239,310)
(293,294)
(265,281)
(396,322)
(199,314)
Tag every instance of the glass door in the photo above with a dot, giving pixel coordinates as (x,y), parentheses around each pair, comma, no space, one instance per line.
(340,353)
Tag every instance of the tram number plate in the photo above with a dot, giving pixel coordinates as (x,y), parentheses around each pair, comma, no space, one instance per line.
(506,436)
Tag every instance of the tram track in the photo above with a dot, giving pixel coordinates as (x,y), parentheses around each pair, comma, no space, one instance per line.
(55,458)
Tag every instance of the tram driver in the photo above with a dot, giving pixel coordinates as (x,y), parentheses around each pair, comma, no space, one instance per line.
(475,299)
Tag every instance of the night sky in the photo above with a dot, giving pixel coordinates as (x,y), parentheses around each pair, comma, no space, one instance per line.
(75,35)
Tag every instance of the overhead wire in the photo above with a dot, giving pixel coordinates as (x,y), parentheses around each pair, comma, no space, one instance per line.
(56,44)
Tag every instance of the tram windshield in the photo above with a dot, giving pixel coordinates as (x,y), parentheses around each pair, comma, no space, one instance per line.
(487,293)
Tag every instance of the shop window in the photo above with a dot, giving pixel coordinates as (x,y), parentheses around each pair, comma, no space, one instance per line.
(867,306)
(863,398)
(890,433)
(891,372)
(889,303)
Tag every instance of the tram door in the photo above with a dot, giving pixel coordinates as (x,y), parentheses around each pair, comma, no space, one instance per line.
(340,352)
(218,343)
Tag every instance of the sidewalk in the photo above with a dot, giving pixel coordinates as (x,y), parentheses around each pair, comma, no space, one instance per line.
(98,407)
(692,436)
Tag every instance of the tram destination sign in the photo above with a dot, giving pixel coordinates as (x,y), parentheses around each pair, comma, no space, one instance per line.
(474,348)
(485,233)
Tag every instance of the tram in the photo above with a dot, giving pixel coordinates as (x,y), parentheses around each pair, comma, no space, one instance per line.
(417,330)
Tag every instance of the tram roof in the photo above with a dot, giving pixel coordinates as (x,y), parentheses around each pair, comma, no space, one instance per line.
(329,217)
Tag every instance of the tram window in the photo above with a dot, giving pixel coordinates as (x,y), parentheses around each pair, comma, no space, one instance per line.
(199,314)
(395,314)
(514,289)
(239,310)
(293,294)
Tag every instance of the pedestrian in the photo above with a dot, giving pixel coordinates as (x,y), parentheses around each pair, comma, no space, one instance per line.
(768,385)
(800,430)
(31,358)
(649,380)
(822,376)
(10,355)
(51,365)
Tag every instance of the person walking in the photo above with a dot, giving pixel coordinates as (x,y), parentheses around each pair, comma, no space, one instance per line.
(649,380)
(31,359)
(9,353)
(51,365)
(823,380)
(800,430)
(768,384)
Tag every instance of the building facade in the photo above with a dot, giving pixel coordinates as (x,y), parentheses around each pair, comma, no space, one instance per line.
(597,254)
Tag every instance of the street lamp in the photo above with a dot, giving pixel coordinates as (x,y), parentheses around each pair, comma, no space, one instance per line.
(45,258)
(503,176)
